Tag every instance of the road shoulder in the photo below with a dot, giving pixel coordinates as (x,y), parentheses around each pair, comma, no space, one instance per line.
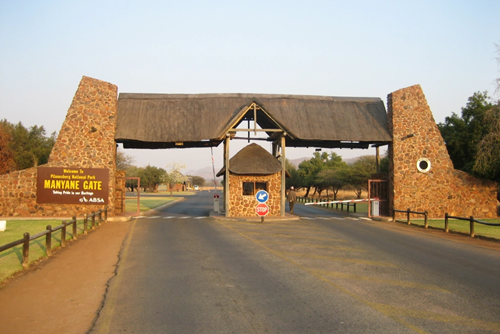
(64,293)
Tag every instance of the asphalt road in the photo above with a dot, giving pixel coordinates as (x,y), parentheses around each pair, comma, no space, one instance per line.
(183,272)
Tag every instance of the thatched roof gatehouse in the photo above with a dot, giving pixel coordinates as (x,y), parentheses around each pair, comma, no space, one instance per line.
(207,120)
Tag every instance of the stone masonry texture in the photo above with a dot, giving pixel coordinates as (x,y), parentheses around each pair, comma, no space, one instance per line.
(244,206)
(86,140)
(442,189)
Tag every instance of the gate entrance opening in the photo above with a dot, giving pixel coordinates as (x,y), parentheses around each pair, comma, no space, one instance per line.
(157,121)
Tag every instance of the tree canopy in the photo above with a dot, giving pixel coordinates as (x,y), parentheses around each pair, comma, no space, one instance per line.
(123,160)
(197,180)
(462,134)
(473,139)
(24,147)
(329,172)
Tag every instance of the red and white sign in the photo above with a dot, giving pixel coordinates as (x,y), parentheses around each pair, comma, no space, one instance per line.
(262,209)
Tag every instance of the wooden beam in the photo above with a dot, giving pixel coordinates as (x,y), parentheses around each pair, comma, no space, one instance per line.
(283,175)
(255,130)
(254,118)
(377,159)
(251,139)
(226,176)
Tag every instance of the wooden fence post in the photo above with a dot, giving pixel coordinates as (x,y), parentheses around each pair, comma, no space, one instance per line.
(446,222)
(74,228)
(63,234)
(471,226)
(48,240)
(85,223)
(26,249)
(106,214)
(426,217)
(93,219)
(408,216)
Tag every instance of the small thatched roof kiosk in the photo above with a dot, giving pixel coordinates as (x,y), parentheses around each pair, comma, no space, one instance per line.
(250,170)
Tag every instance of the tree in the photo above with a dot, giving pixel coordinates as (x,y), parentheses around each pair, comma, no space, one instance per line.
(132,171)
(7,162)
(197,180)
(174,175)
(294,179)
(152,176)
(360,172)
(487,159)
(309,169)
(334,178)
(30,147)
(462,135)
(123,161)
(384,164)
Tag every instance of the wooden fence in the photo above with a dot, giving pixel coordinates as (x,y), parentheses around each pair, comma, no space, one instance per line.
(446,218)
(25,241)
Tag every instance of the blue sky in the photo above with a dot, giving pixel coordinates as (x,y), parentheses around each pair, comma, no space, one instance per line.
(333,48)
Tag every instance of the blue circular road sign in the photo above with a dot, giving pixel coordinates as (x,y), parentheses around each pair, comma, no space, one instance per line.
(262,196)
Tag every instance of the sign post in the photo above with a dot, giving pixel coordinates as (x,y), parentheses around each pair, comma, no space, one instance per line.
(262,209)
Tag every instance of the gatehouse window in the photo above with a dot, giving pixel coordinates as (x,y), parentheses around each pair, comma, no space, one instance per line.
(251,188)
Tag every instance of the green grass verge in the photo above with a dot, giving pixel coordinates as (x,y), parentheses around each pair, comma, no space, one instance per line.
(11,259)
(463,226)
(147,203)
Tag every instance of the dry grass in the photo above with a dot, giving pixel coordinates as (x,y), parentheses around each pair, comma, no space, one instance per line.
(342,194)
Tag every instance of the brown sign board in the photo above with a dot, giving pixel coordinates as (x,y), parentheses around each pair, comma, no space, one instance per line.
(72,185)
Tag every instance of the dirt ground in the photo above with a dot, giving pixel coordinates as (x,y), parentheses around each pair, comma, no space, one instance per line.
(64,293)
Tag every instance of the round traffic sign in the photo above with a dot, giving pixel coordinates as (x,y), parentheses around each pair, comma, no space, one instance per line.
(262,209)
(262,196)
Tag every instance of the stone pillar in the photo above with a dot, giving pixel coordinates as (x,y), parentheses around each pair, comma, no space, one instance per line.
(421,173)
(87,136)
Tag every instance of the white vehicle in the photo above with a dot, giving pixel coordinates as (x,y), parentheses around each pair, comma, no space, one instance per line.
(196,188)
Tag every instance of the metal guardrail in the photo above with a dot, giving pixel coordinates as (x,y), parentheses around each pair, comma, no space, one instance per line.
(25,241)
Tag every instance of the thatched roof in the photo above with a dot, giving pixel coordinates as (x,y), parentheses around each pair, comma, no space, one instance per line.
(182,120)
(252,160)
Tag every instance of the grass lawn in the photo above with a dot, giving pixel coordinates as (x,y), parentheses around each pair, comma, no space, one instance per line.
(361,207)
(463,226)
(147,203)
(11,259)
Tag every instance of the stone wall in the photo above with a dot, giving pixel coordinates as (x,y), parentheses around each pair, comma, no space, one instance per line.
(120,191)
(441,188)
(86,140)
(244,206)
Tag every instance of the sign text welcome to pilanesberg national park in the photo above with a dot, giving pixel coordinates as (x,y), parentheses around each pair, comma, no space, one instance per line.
(72,185)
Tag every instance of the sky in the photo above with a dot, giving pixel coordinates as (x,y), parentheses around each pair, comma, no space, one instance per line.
(328,48)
